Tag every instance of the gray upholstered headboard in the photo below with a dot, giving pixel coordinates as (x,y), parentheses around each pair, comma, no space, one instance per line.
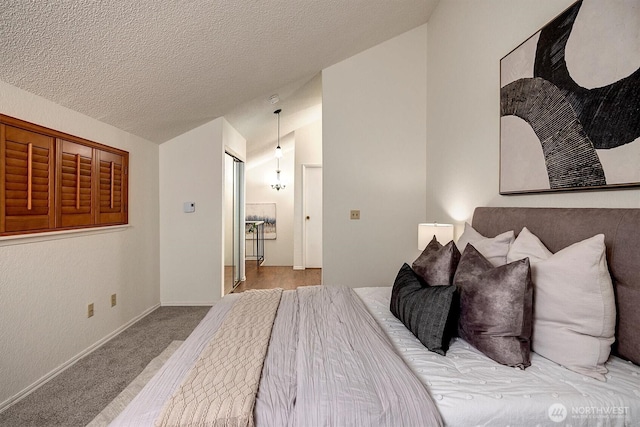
(561,227)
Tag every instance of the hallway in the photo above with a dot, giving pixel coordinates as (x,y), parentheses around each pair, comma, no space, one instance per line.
(278,277)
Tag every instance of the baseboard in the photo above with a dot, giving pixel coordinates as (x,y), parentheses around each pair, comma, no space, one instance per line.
(298,267)
(57,371)
(187,304)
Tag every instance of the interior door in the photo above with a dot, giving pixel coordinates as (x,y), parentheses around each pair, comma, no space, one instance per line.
(312,197)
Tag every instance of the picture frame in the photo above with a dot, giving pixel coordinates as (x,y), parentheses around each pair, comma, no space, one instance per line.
(262,212)
(570,103)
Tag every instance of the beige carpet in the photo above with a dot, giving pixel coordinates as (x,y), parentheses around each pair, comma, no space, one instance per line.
(118,404)
(75,396)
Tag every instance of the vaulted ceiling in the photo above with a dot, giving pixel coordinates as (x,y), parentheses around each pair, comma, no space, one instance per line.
(157,68)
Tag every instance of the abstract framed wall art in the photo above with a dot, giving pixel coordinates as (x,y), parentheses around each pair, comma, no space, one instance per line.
(570,102)
(262,212)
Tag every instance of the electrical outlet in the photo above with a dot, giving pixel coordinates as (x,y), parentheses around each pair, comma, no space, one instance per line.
(90,310)
(113,300)
(355,214)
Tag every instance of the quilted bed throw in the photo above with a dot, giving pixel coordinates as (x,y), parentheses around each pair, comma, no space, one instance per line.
(220,390)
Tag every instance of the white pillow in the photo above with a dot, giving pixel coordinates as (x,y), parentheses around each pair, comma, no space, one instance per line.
(494,249)
(574,312)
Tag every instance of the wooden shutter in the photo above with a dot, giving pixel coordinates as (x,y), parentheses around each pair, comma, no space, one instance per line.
(26,182)
(51,180)
(74,186)
(112,193)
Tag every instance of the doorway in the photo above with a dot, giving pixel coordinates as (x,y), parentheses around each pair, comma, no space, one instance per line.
(234,222)
(312,215)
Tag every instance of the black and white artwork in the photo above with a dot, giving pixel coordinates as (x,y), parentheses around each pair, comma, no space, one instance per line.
(570,102)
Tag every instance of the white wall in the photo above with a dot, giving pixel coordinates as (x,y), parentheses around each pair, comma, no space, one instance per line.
(233,142)
(308,152)
(374,132)
(191,244)
(466,40)
(45,286)
(260,174)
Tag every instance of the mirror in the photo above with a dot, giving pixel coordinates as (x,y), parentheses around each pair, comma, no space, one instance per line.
(233,221)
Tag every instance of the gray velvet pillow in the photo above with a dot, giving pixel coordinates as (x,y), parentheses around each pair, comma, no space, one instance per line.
(437,264)
(429,312)
(496,307)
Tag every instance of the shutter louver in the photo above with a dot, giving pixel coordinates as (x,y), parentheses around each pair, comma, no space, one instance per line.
(28,170)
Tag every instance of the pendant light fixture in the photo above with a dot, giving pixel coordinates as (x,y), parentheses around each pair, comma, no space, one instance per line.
(278,184)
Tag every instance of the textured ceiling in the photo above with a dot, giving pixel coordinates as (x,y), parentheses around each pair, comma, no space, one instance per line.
(159,68)
(300,102)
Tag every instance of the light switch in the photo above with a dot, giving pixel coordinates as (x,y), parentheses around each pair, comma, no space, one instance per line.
(189,207)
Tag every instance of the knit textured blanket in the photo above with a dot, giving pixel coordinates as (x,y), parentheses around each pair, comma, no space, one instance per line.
(220,390)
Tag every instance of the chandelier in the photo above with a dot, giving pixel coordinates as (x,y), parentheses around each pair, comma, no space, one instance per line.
(278,184)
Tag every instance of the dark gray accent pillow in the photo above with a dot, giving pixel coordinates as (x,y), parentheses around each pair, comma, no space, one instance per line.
(429,312)
(437,264)
(496,307)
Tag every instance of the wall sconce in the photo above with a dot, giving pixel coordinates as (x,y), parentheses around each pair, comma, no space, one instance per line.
(426,231)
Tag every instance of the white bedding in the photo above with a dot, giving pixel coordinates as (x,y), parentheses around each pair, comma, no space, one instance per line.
(468,388)
(473,390)
(343,370)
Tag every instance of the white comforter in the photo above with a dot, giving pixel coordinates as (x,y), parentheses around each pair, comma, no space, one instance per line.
(473,390)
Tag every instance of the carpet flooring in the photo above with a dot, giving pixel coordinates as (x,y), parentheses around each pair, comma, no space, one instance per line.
(77,395)
(118,404)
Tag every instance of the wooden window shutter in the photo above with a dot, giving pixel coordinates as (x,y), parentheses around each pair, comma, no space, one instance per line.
(74,187)
(26,182)
(112,191)
(50,180)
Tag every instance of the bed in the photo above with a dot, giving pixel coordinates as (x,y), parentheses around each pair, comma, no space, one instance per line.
(364,367)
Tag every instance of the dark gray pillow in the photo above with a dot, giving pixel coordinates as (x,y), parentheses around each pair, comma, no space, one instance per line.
(429,312)
(496,307)
(437,264)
